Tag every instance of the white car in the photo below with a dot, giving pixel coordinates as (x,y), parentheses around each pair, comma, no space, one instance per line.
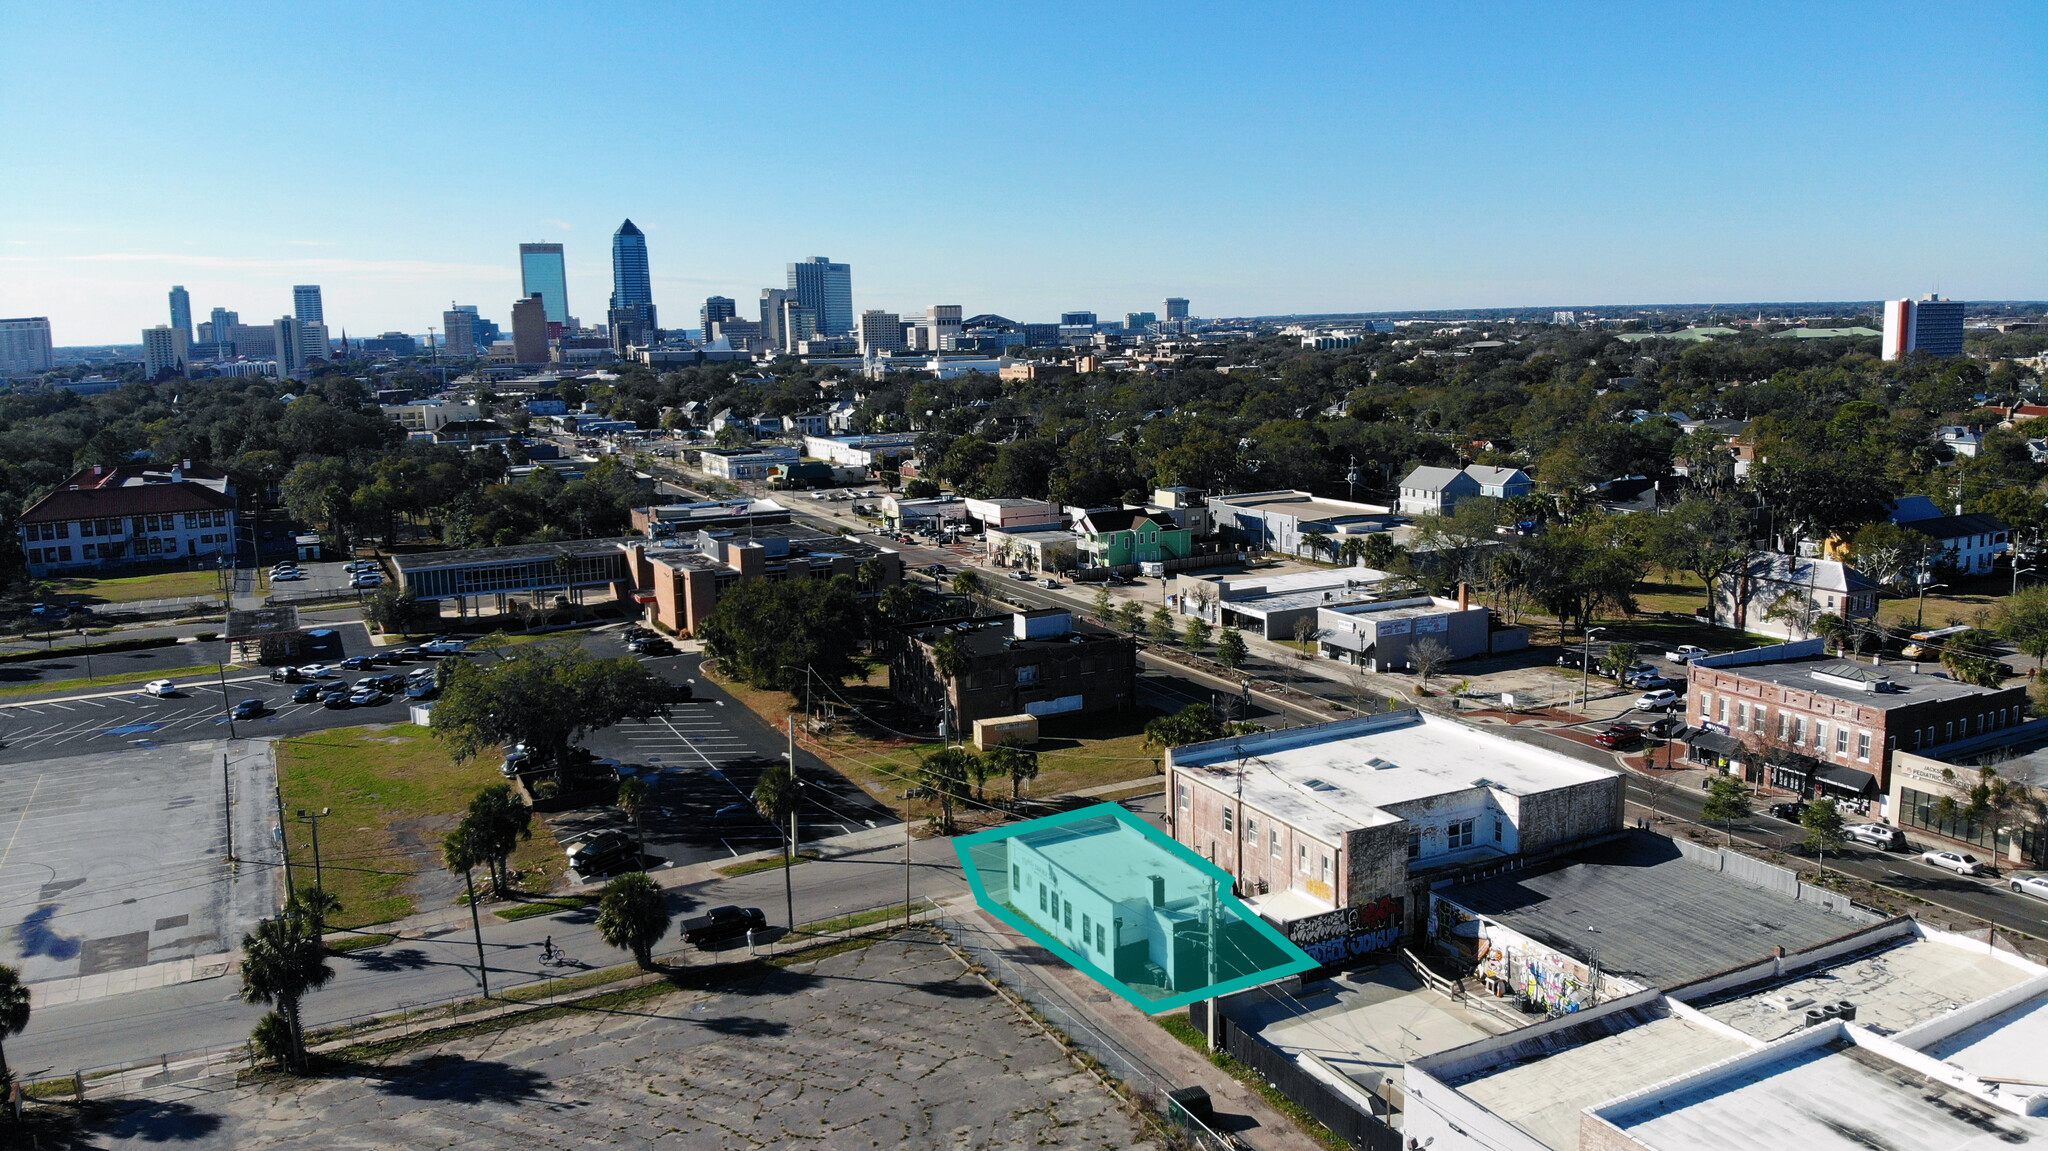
(2034,885)
(317,670)
(444,646)
(160,688)
(1657,700)
(1960,862)
(1686,653)
(287,576)
(1882,835)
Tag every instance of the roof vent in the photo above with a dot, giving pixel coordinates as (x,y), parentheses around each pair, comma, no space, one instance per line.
(1318,785)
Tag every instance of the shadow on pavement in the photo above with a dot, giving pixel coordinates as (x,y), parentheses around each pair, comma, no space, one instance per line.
(452,1079)
(154,1123)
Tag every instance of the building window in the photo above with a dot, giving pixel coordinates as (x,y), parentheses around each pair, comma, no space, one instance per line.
(1016,877)
(1722,708)
(1304,859)
(1041,897)
(1742,717)
(1785,727)
(1496,829)
(1251,829)
(1948,731)
(1863,746)
(1459,834)
(1324,860)
(1226,818)
(1087,929)
(1067,905)
(1182,791)
(1842,741)
(1276,843)
(1706,706)
(1101,939)
(1414,843)
(64,554)
(1820,736)
(1798,731)
(1027,675)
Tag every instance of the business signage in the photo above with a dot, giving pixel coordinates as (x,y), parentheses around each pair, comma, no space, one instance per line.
(1348,932)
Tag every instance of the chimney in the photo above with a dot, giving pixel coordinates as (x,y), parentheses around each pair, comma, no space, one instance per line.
(1464,596)
(1158,890)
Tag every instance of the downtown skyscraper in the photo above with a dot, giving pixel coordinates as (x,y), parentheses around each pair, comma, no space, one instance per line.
(631,315)
(827,289)
(181,310)
(541,273)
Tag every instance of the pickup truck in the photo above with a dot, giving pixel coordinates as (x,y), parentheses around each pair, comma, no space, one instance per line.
(722,924)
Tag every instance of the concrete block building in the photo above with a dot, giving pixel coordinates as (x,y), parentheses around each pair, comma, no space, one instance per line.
(1042,662)
(1335,832)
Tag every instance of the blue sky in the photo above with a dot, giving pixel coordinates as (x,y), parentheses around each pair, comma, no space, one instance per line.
(1020,159)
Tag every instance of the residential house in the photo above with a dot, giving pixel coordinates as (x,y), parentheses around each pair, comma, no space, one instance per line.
(1283,520)
(1961,440)
(1042,662)
(111,517)
(1435,491)
(1969,543)
(1501,483)
(1777,594)
(1121,537)
(808,424)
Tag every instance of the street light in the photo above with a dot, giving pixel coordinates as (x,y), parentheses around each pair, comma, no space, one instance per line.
(1586,667)
(2016,574)
(1920,617)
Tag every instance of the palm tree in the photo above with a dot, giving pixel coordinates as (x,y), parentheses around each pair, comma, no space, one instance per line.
(315,904)
(633,800)
(13,1014)
(1316,541)
(282,960)
(1352,551)
(945,773)
(776,798)
(953,660)
(967,582)
(500,820)
(462,850)
(1018,764)
(633,915)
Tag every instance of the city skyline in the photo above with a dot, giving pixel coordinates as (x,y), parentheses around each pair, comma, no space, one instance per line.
(1320,160)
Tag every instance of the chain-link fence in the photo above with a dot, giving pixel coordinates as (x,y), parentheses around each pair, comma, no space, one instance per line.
(1002,963)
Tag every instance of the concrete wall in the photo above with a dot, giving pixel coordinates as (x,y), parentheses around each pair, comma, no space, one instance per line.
(1552,817)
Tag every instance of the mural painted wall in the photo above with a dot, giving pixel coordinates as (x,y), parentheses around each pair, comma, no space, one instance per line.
(1348,932)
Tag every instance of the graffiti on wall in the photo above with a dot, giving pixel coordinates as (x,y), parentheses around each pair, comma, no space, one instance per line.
(1348,932)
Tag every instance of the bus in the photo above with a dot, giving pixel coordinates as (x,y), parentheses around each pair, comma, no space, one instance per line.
(1929,643)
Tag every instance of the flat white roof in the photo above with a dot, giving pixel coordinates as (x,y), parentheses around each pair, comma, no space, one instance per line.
(2010,1047)
(1892,989)
(1331,778)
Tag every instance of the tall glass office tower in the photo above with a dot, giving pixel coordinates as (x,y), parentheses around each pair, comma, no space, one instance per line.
(630,287)
(541,270)
(306,304)
(827,289)
(181,310)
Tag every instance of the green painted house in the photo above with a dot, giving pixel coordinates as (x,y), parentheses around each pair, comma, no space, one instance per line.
(1118,536)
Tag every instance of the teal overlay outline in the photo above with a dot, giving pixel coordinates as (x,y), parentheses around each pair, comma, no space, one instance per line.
(1227,903)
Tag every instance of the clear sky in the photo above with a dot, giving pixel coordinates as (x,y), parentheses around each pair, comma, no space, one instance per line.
(1020,159)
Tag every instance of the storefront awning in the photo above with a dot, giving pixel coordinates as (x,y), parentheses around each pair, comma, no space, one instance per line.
(1847,779)
(1715,742)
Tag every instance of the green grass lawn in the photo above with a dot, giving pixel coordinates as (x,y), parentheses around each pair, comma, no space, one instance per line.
(394,792)
(128,589)
(209,671)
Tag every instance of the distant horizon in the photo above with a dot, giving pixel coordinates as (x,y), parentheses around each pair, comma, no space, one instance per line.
(1318,159)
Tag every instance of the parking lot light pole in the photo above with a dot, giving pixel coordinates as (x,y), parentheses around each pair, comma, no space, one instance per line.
(221,669)
(2016,574)
(1586,667)
(314,818)
(1920,617)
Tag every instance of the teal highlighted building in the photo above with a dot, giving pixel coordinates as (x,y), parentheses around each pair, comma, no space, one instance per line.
(1137,912)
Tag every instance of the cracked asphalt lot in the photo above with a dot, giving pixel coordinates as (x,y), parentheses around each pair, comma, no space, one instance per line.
(888,1046)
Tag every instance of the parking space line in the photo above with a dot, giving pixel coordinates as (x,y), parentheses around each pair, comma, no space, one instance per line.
(24,819)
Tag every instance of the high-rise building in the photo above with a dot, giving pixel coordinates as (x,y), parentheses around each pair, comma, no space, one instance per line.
(880,331)
(942,326)
(1077,319)
(541,273)
(630,284)
(181,310)
(224,322)
(459,328)
(530,328)
(799,323)
(298,343)
(259,340)
(772,328)
(1929,324)
(165,351)
(715,308)
(306,305)
(1176,308)
(1139,321)
(25,344)
(827,289)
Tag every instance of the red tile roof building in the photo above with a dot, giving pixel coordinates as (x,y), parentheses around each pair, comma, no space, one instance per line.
(108,517)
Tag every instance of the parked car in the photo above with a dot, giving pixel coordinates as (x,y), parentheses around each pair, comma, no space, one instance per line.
(315,671)
(1686,653)
(722,925)
(1049,582)
(249,709)
(657,646)
(2034,885)
(367,580)
(1660,700)
(734,813)
(1021,574)
(359,663)
(601,852)
(337,697)
(412,652)
(1649,681)
(1880,835)
(1960,862)
(355,566)
(1619,736)
(1665,726)
(160,688)
(444,646)
(420,689)
(307,694)
(1627,673)
(1791,809)
(286,675)
(367,697)
(287,576)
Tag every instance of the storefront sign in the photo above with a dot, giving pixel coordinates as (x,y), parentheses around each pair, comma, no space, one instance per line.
(1348,932)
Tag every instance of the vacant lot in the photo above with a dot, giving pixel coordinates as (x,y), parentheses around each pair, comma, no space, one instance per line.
(888,1046)
(128,589)
(393,792)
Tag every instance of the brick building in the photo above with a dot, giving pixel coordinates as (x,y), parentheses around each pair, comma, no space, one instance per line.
(680,582)
(1336,831)
(1791,716)
(1042,662)
(111,517)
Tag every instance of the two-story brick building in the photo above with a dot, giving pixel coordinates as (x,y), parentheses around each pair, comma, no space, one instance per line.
(111,517)
(1336,831)
(680,581)
(1791,716)
(1042,662)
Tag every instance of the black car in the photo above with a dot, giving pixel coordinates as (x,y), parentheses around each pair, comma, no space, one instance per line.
(249,709)
(285,675)
(1793,810)
(657,646)
(681,693)
(306,694)
(722,924)
(412,652)
(336,699)
(359,662)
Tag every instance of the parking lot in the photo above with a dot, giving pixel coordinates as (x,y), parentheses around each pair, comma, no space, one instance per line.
(111,862)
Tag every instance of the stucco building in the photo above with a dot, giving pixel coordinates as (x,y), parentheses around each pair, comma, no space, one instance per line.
(1042,662)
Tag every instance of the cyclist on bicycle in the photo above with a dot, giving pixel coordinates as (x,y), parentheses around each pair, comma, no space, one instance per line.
(547,949)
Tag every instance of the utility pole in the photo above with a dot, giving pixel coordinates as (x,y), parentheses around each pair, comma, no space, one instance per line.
(227,804)
(789,853)
(284,842)
(221,669)
(1209,937)
(483,970)
(314,818)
